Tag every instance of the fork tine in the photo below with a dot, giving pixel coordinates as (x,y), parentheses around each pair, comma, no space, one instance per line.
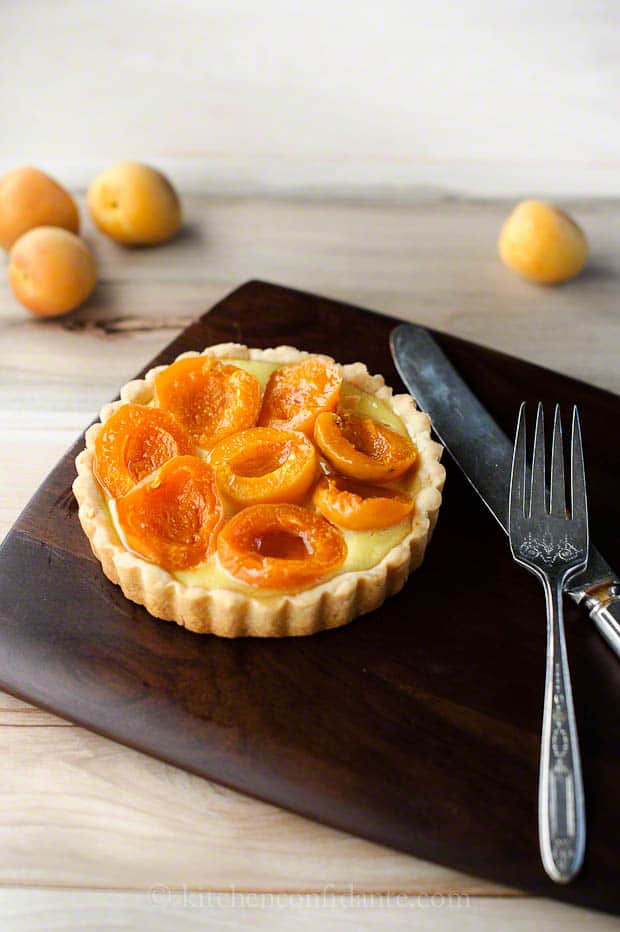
(517,473)
(538,504)
(557,503)
(579,502)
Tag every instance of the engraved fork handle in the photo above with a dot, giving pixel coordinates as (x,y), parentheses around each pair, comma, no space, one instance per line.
(561,811)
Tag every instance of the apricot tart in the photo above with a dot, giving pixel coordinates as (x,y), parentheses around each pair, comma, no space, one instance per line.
(259,492)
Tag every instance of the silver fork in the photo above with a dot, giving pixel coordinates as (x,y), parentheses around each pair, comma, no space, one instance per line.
(554,545)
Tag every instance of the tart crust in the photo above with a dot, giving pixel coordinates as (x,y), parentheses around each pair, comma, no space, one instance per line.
(229,613)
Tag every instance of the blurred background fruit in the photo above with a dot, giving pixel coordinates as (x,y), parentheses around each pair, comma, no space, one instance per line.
(542,243)
(134,204)
(29,198)
(51,271)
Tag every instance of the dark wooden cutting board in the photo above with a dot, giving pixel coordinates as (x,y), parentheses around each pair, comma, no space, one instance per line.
(416,726)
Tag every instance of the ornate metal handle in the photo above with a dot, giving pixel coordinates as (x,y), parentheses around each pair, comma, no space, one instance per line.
(561,811)
(605,613)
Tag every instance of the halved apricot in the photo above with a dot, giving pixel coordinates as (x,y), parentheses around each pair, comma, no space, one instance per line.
(264,465)
(172,517)
(362,448)
(280,547)
(134,442)
(360,507)
(295,394)
(210,399)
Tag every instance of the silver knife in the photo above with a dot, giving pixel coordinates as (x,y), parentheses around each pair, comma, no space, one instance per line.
(458,418)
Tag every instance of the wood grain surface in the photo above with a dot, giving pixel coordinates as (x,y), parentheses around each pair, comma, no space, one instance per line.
(80,813)
(417,726)
(326,98)
(160,910)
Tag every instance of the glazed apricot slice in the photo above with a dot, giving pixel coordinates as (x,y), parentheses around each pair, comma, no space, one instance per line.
(210,399)
(263,464)
(280,547)
(359,507)
(172,517)
(296,394)
(134,442)
(362,448)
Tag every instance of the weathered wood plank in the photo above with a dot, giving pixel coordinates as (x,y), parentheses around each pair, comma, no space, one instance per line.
(434,263)
(122,819)
(160,910)
(327,97)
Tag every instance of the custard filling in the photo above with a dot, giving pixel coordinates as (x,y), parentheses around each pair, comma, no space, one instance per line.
(365,549)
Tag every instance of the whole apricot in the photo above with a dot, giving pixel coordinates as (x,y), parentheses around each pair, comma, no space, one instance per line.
(542,243)
(134,204)
(29,198)
(51,271)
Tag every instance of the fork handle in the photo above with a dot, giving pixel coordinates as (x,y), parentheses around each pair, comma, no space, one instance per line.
(561,811)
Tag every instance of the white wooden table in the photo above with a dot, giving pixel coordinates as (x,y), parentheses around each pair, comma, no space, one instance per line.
(94,835)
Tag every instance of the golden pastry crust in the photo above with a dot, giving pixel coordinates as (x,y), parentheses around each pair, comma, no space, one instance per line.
(229,613)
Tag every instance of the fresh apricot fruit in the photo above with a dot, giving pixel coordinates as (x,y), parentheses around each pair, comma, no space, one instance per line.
(210,399)
(51,271)
(280,546)
(134,204)
(264,465)
(360,507)
(542,243)
(297,393)
(172,517)
(29,198)
(133,443)
(361,448)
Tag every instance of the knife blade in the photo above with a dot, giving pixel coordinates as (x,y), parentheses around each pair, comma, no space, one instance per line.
(458,418)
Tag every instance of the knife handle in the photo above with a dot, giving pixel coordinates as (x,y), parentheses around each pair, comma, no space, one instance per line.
(604,608)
